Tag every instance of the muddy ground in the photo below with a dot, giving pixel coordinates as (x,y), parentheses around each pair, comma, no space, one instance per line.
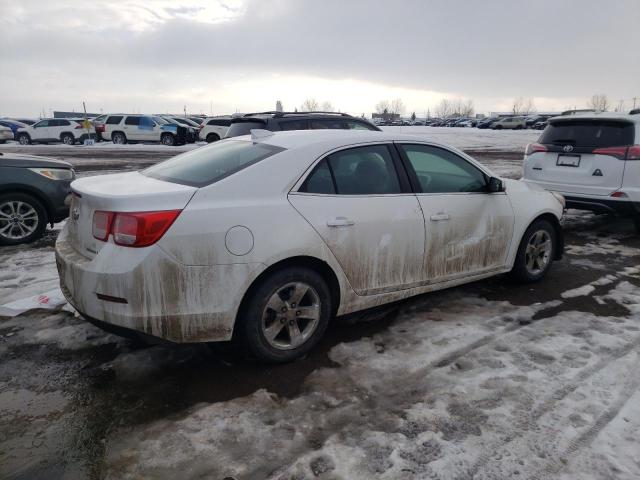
(490,380)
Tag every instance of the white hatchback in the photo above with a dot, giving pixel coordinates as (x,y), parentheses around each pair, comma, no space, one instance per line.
(264,238)
(591,159)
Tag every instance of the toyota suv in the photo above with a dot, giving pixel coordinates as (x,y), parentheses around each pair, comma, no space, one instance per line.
(67,131)
(122,128)
(592,159)
(276,121)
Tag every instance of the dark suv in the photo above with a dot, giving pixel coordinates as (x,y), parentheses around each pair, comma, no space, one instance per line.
(278,121)
(33,192)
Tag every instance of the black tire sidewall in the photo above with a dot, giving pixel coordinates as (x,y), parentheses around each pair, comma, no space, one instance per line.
(519,268)
(250,317)
(167,135)
(24,135)
(68,135)
(213,136)
(119,134)
(37,206)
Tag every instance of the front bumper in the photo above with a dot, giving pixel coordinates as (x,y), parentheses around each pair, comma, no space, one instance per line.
(147,291)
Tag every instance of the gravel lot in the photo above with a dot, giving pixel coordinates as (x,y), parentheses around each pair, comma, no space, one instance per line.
(490,380)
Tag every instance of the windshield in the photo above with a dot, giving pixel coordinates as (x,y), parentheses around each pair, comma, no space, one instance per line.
(207,165)
(161,121)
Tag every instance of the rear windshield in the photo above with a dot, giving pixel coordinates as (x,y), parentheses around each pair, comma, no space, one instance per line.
(207,165)
(243,128)
(589,133)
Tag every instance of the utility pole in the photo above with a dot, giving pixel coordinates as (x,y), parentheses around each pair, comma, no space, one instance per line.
(634,102)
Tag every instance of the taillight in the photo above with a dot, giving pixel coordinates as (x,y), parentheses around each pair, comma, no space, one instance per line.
(79,126)
(135,229)
(102,224)
(633,153)
(618,152)
(619,195)
(535,147)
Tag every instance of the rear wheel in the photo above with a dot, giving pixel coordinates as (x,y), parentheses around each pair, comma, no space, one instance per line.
(24,139)
(23,219)
(213,137)
(536,252)
(119,138)
(286,315)
(168,139)
(67,139)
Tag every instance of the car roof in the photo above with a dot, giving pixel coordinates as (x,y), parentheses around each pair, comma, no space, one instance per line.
(597,116)
(329,138)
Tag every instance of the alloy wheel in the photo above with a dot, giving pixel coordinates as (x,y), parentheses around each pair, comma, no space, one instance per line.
(538,252)
(18,220)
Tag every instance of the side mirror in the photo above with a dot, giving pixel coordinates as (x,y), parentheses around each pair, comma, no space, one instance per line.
(496,185)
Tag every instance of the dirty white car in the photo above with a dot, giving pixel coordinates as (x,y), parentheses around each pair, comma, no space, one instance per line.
(266,238)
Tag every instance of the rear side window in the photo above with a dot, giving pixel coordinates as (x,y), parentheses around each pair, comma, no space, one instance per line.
(243,128)
(351,125)
(210,164)
(219,123)
(331,123)
(589,133)
(114,120)
(356,171)
(132,121)
(294,125)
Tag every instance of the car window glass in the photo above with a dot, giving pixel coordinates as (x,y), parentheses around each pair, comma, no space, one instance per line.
(145,123)
(132,121)
(357,125)
(320,180)
(114,120)
(330,123)
(441,171)
(62,123)
(43,123)
(244,128)
(589,133)
(294,125)
(364,171)
(207,165)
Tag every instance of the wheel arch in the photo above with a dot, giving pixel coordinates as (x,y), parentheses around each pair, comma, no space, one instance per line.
(319,266)
(118,131)
(553,220)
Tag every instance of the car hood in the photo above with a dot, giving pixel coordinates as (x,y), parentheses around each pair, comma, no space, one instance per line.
(30,161)
(521,186)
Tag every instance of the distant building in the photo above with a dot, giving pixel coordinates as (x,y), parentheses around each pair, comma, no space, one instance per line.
(73,114)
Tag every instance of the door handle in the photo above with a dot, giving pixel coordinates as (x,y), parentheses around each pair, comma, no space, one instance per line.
(439,216)
(340,222)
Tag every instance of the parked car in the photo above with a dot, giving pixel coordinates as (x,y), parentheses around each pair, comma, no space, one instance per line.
(198,120)
(186,250)
(509,123)
(592,159)
(33,192)
(125,128)
(14,125)
(540,125)
(51,130)
(487,122)
(5,134)
(26,121)
(215,128)
(98,125)
(275,121)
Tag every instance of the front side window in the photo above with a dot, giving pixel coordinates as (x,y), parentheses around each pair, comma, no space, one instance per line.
(43,123)
(356,171)
(207,165)
(132,121)
(441,171)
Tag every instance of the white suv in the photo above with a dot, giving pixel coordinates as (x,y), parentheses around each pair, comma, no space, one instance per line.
(55,130)
(122,128)
(593,160)
(214,128)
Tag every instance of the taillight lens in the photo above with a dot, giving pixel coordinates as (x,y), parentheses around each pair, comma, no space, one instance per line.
(136,229)
(102,224)
(535,147)
(618,152)
(633,153)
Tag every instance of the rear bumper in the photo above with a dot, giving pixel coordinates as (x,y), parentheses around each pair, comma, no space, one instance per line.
(145,290)
(603,205)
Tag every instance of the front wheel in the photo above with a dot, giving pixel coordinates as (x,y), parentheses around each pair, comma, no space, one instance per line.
(23,219)
(24,139)
(536,252)
(286,315)
(167,139)
(212,137)
(68,139)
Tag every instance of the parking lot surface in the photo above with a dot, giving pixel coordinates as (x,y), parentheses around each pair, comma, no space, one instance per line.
(489,380)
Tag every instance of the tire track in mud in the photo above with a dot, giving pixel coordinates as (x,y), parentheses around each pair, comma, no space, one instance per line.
(584,440)
(558,395)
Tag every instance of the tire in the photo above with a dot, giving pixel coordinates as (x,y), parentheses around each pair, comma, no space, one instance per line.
(24,139)
(264,312)
(213,137)
(67,139)
(636,223)
(535,255)
(168,139)
(499,127)
(29,210)
(119,138)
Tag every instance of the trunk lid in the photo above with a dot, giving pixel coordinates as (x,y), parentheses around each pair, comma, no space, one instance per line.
(121,192)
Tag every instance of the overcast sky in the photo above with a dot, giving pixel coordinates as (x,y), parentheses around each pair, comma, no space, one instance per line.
(222,56)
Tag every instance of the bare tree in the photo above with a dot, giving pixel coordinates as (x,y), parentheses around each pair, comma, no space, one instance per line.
(309,105)
(599,102)
(382,107)
(327,106)
(462,108)
(397,106)
(444,108)
(523,106)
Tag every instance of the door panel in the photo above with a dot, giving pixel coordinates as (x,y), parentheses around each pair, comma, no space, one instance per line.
(41,130)
(378,240)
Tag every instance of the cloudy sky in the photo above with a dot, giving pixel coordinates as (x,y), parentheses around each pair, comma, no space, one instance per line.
(221,56)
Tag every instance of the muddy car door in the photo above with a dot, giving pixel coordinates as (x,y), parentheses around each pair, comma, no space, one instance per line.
(468,229)
(359,201)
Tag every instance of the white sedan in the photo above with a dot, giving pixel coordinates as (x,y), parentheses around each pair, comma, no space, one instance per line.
(265,238)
